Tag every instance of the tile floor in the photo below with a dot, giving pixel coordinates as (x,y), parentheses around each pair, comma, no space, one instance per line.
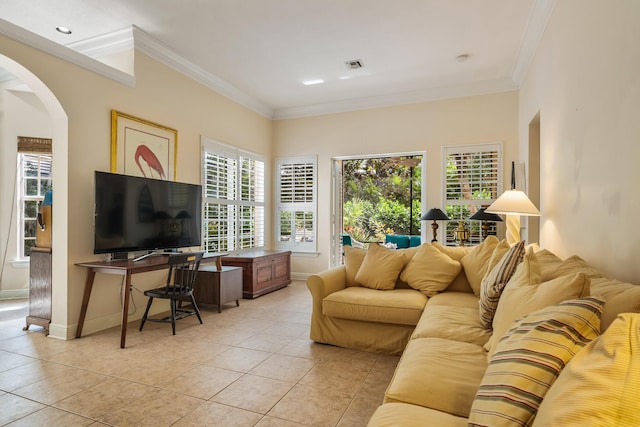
(252,365)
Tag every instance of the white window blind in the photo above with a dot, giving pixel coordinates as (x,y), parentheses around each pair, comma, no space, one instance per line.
(296,203)
(35,180)
(233,202)
(473,179)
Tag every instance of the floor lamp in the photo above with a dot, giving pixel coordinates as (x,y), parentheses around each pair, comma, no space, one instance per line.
(514,204)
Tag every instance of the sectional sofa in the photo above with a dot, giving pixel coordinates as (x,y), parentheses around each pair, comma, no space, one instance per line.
(485,333)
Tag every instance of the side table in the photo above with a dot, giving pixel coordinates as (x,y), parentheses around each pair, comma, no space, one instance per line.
(219,287)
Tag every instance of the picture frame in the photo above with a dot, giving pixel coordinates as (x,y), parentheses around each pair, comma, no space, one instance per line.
(142,148)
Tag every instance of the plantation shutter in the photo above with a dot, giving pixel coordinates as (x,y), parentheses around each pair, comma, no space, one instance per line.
(296,203)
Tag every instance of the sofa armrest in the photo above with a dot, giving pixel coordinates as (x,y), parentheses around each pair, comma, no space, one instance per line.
(327,282)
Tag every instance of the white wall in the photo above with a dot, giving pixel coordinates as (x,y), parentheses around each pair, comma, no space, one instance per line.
(418,127)
(21,114)
(585,83)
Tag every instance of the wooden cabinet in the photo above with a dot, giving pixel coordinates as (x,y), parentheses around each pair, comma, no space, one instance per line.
(39,288)
(262,271)
(219,287)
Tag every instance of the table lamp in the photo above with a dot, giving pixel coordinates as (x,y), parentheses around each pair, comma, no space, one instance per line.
(513,203)
(434,214)
(485,217)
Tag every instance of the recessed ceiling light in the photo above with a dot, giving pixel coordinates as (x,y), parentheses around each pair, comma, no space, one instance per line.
(63,30)
(312,82)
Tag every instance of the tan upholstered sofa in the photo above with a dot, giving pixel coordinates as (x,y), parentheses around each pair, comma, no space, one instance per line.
(472,333)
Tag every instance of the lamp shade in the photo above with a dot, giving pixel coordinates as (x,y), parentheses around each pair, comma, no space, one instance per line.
(513,202)
(483,215)
(435,214)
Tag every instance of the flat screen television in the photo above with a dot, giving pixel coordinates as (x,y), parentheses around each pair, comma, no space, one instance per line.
(143,214)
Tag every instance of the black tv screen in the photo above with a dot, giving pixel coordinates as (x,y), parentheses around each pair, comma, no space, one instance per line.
(136,214)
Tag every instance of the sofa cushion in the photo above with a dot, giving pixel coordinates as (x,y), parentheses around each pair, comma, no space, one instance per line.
(398,306)
(455,299)
(600,384)
(621,298)
(517,301)
(380,268)
(453,323)
(475,263)
(439,374)
(406,415)
(430,271)
(529,358)
(495,280)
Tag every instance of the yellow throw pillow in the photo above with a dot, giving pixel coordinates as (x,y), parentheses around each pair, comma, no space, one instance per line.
(430,271)
(380,267)
(495,281)
(517,301)
(529,359)
(600,385)
(454,252)
(353,258)
(573,264)
(475,263)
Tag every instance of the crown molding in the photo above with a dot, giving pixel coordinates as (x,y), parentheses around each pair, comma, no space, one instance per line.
(149,46)
(538,20)
(69,55)
(105,44)
(414,97)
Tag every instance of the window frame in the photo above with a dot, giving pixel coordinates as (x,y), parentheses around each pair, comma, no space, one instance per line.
(473,204)
(297,207)
(236,201)
(23,198)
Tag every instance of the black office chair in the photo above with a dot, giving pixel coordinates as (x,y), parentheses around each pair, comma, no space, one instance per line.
(180,280)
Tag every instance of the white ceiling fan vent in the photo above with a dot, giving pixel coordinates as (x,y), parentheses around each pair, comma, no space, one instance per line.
(354,64)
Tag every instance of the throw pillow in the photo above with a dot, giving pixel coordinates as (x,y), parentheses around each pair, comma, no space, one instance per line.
(454,252)
(476,261)
(518,301)
(380,267)
(353,258)
(600,384)
(573,264)
(430,271)
(494,282)
(529,359)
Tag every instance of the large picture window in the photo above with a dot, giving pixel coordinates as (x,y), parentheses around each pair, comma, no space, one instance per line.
(473,179)
(296,203)
(233,200)
(34,181)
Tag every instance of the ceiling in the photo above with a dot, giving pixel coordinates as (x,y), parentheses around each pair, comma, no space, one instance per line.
(265,50)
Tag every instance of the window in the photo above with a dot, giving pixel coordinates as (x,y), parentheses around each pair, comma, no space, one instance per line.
(233,202)
(296,204)
(34,181)
(473,179)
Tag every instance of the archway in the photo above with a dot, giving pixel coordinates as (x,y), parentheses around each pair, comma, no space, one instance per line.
(60,135)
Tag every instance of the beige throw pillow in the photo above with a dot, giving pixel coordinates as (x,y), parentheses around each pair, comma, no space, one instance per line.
(430,271)
(529,359)
(380,267)
(353,258)
(494,282)
(475,263)
(518,300)
(454,252)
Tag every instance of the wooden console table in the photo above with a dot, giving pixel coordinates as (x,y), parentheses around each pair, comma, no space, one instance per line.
(125,268)
(262,271)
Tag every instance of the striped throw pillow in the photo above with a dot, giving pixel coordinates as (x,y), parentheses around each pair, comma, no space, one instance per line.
(494,282)
(529,358)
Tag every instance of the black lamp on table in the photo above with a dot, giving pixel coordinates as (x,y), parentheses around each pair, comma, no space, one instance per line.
(435,214)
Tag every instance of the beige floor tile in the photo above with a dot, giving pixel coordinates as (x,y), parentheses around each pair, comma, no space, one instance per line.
(311,406)
(342,379)
(202,381)
(266,342)
(359,412)
(375,385)
(52,417)
(55,388)
(155,409)
(253,393)
(238,359)
(285,368)
(214,414)
(347,358)
(154,371)
(277,422)
(288,329)
(386,363)
(15,407)
(30,373)
(12,360)
(308,349)
(104,398)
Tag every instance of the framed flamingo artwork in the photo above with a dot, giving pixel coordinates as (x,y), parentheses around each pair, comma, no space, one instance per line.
(142,148)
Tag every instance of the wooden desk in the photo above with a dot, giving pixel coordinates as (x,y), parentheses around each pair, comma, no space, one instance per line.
(126,268)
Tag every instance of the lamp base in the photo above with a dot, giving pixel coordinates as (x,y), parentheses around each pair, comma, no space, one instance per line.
(513,229)
(434,227)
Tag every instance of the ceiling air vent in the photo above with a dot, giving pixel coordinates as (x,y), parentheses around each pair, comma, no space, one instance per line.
(354,64)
